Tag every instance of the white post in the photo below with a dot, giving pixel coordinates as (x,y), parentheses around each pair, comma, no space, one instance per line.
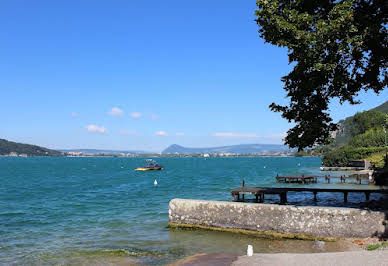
(250,250)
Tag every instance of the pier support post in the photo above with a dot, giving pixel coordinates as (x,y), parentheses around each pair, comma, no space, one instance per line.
(261,196)
(370,177)
(345,197)
(235,197)
(283,197)
(315,196)
(367,194)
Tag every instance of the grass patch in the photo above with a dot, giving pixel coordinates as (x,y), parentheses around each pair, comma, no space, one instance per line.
(376,246)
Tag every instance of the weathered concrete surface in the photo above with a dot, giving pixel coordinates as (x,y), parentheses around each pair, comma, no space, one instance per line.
(284,219)
(356,258)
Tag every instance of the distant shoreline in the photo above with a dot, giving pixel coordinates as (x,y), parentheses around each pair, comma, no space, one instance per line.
(156,155)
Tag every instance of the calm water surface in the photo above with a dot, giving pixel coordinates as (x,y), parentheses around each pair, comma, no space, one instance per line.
(99,210)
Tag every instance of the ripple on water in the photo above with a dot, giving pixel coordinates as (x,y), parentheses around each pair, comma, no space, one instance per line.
(100,211)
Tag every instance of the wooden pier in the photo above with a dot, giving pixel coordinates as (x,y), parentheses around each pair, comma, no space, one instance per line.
(296,179)
(238,194)
(302,179)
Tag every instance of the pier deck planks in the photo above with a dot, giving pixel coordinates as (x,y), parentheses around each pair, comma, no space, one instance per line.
(297,179)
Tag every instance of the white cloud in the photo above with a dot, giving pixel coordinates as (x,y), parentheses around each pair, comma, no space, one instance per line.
(154,117)
(115,111)
(234,135)
(96,129)
(179,134)
(73,114)
(128,132)
(135,114)
(161,133)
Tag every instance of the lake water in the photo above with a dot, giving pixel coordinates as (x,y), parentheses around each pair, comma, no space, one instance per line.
(100,211)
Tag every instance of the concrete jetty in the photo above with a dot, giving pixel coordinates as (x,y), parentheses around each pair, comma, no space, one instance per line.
(287,221)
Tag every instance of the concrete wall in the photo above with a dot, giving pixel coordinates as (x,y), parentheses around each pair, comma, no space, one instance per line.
(285,219)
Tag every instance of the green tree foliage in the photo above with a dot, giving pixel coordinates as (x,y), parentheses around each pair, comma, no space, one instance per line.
(377,160)
(342,155)
(366,140)
(374,137)
(361,122)
(336,47)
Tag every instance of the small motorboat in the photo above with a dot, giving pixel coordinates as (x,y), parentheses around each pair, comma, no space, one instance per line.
(151,165)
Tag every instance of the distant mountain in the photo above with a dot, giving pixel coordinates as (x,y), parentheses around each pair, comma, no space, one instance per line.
(96,151)
(15,148)
(241,149)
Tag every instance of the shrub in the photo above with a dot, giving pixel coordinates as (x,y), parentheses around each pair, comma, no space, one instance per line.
(377,160)
(342,155)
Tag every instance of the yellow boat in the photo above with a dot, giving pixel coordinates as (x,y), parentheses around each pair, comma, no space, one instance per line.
(151,165)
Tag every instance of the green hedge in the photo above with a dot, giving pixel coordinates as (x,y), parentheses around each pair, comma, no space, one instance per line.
(342,155)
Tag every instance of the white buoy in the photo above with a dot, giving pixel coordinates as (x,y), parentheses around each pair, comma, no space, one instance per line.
(155,183)
(265,166)
(298,164)
(250,250)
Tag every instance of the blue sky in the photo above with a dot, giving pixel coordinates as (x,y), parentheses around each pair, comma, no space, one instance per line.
(194,73)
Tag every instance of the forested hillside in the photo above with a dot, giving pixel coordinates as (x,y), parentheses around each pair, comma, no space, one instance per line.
(362,136)
(382,108)
(9,147)
(348,127)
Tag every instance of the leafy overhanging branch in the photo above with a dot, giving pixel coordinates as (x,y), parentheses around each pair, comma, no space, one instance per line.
(339,47)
